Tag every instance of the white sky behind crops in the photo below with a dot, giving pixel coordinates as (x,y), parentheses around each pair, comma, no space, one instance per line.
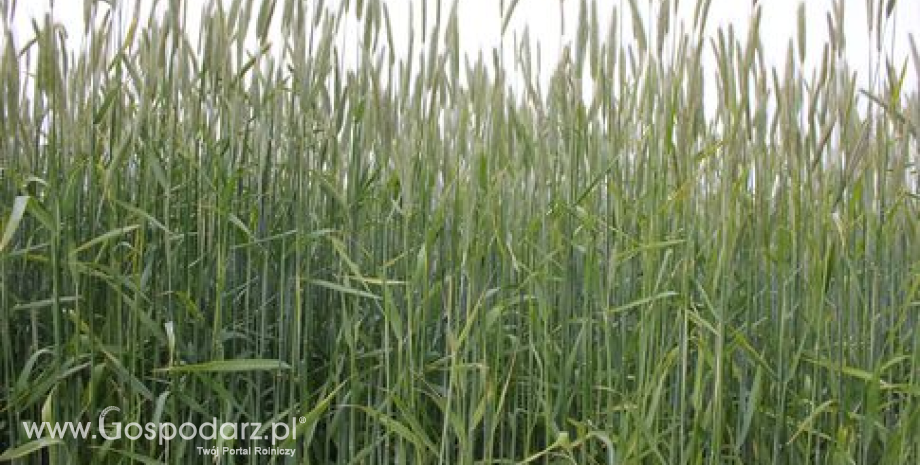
(480,26)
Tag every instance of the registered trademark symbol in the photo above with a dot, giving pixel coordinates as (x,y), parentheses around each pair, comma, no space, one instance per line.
(303,419)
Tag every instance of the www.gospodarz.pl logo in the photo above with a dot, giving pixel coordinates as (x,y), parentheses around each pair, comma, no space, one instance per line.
(164,432)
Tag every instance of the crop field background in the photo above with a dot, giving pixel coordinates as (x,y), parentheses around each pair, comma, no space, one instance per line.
(427,257)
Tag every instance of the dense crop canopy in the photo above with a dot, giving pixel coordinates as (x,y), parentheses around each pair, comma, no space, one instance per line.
(435,259)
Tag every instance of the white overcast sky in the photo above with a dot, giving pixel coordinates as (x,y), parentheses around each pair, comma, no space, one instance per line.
(480,24)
